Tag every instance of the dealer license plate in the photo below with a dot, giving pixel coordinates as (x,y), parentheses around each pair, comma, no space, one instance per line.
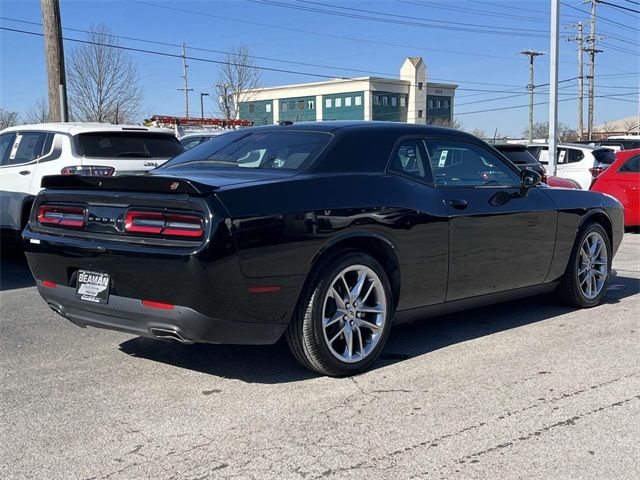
(93,286)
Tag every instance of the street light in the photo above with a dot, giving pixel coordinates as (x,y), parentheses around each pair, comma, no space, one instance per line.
(202,103)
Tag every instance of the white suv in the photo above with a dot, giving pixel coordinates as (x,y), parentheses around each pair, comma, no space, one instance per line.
(29,152)
(581,163)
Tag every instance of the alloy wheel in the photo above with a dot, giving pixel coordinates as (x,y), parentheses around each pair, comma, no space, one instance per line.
(354,313)
(593,265)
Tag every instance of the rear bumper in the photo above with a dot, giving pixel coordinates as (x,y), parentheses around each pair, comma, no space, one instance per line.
(184,324)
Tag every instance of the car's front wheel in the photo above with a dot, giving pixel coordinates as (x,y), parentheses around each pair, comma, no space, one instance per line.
(344,316)
(587,276)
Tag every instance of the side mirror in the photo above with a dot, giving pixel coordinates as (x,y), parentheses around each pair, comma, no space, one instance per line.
(528,179)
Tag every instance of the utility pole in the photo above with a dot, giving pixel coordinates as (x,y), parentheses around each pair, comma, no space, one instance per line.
(531,54)
(186,88)
(580,40)
(54,53)
(202,95)
(592,50)
(553,86)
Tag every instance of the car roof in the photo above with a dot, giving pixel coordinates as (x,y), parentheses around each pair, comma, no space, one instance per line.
(202,134)
(511,146)
(75,128)
(580,146)
(346,125)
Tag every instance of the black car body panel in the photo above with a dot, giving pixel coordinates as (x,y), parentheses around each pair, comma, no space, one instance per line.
(265,231)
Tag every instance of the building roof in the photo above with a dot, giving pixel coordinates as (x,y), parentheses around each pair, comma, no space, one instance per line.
(75,128)
(335,81)
(415,60)
(626,125)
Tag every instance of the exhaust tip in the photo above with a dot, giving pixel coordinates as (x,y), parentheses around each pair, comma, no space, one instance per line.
(167,334)
(56,308)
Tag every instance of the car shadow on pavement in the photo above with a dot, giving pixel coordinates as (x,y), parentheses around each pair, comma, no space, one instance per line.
(274,363)
(14,271)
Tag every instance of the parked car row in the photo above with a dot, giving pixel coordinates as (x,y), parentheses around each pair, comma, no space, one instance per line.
(577,162)
(521,157)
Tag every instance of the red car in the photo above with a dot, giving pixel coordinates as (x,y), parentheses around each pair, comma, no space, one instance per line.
(560,182)
(622,180)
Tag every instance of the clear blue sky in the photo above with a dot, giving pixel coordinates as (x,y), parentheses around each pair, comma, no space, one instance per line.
(476,61)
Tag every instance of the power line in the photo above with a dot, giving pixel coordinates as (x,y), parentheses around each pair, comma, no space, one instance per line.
(409,17)
(384,18)
(483,13)
(221,62)
(323,34)
(604,19)
(209,50)
(340,37)
(614,5)
(257,57)
(613,96)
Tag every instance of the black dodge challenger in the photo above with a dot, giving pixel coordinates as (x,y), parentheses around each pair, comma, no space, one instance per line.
(326,233)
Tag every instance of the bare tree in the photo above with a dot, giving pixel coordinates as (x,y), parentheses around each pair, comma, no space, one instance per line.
(8,118)
(630,126)
(238,78)
(38,113)
(607,127)
(103,80)
(478,132)
(540,130)
(446,122)
(566,133)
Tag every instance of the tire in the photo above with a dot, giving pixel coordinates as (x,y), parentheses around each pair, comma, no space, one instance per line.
(574,289)
(327,316)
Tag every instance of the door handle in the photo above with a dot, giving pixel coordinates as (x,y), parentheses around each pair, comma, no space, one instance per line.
(458,204)
(24,172)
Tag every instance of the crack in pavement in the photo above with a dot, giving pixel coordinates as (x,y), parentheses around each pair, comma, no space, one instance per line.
(523,438)
(435,441)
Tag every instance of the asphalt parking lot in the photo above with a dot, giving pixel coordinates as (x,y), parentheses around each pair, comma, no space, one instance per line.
(527,389)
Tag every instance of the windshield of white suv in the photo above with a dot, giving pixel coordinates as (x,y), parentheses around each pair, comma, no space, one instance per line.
(128,145)
(286,149)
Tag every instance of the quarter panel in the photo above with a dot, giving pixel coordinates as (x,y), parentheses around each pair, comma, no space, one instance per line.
(280,228)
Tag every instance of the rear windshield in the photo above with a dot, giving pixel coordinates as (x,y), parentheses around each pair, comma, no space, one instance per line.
(128,145)
(520,156)
(289,150)
(605,156)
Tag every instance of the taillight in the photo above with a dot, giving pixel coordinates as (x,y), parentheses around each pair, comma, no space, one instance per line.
(93,170)
(160,223)
(144,222)
(595,171)
(61,215)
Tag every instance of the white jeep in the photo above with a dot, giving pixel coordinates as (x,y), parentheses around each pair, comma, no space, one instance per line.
(29,152)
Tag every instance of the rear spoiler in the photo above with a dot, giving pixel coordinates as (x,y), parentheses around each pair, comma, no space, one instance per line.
(131,183)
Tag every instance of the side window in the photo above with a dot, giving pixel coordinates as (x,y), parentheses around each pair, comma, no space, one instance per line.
(575,155)
(543,156)
(456,163)
(411,159)
(631,166)
(562,156)
(6,140)
(191,142)
(26,148)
